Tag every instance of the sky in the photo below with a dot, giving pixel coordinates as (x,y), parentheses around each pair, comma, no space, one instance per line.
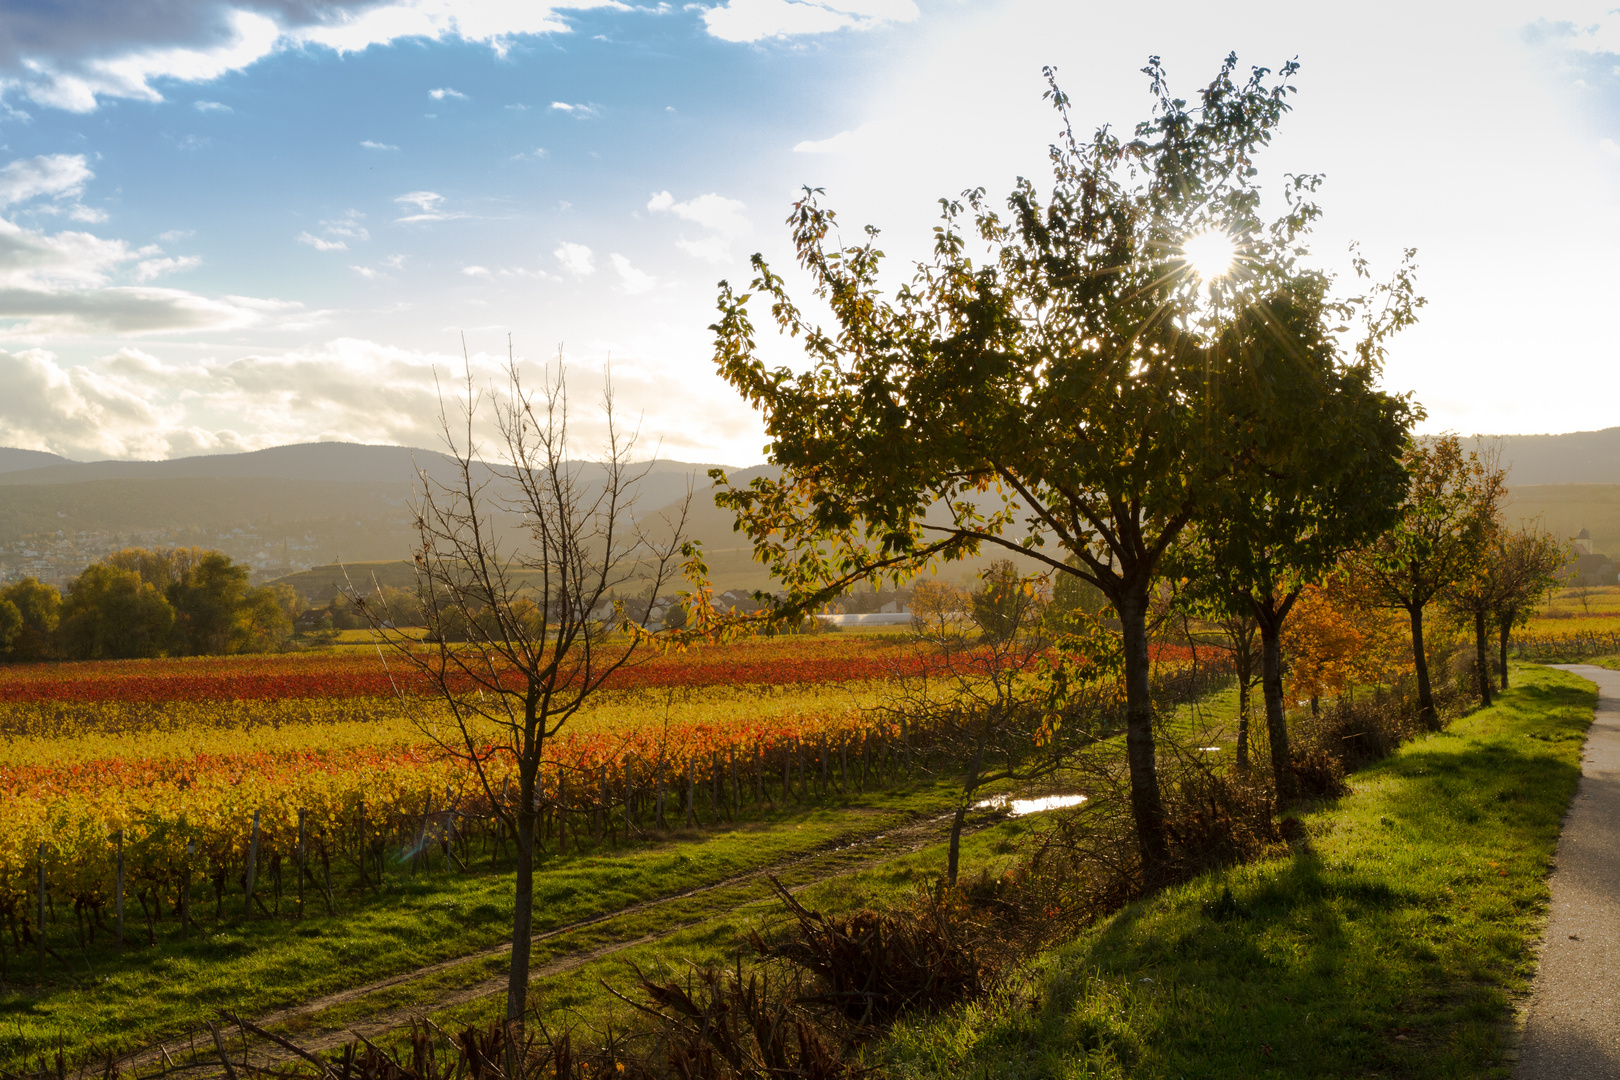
(228,226)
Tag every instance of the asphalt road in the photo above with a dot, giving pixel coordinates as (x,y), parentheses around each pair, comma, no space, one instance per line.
(1573,1025)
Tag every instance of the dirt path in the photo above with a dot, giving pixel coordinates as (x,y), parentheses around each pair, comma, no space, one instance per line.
(861,853)
(1572,1029)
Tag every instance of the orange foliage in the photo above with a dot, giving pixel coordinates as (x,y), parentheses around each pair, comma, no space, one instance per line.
(1332,643)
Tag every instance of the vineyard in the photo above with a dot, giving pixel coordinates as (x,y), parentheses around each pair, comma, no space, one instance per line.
(148,806)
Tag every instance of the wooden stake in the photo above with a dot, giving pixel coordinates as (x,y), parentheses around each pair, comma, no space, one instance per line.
(252,867)
(39,929)
(118,901)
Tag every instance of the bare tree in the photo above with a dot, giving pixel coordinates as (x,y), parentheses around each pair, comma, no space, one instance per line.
(999,708)
(530,609)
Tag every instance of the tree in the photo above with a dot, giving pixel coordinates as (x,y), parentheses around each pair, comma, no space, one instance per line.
(532,656)
(1325,479)
(208,601)
(939,611)
(1004,603)
(1440,540)
(216,613)
(1522,564)
(1060,399)
(111,614)
(40,608)
(989,708)
(1334,645)
(1235,633)
(11,626)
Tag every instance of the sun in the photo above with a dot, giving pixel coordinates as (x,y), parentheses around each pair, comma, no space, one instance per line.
(1210,254)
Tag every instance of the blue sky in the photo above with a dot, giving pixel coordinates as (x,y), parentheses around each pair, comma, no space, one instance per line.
(227,226)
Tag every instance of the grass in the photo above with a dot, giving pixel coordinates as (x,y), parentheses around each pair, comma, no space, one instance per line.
(119,1001)
(1390,941)
(581,996)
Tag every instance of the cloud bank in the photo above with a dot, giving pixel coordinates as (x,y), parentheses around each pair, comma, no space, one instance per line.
(132,404)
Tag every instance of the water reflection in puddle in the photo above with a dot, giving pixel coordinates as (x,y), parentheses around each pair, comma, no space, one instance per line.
(1020,807)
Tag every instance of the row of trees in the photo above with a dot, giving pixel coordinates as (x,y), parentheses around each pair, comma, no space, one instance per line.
(144,602)
(1093,398)
(1088,396)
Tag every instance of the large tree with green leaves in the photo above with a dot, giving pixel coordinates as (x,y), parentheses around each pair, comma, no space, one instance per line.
(1326,479)
(111,614)
(1440,540)
(1063,398)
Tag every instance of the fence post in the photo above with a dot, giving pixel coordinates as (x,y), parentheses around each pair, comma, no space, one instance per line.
(301,862)
(39,929)
(185,889)
(252,867)
(658,816)
(691,795)
(118,896)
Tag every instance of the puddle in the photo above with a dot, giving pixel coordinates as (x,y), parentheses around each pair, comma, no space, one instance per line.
(1020,807)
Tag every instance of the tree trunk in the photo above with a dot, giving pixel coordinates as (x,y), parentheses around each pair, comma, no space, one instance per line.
(1244,687)
(1147,806)
(1420,662)
(969,786)
(1276,719)
(955,850)
(517,979)
(1506,627)
(1482,658)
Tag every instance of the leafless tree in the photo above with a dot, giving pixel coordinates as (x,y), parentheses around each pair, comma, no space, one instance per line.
(520,556)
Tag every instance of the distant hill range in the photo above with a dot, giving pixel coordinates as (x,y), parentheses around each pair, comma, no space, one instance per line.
(1579,457)
(280,510)
(14,460)
(293,508)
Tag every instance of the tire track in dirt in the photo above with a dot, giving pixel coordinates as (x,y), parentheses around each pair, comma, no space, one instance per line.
(890,844)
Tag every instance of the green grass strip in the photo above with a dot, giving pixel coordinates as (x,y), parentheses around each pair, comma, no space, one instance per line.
(1391,941)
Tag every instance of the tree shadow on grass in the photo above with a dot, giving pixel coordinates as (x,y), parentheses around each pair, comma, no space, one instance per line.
(1385,954)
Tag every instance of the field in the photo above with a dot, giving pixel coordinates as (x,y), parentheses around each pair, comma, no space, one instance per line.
(266,833)
(295,843)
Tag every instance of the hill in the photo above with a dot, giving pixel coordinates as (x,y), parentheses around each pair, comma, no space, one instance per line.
(1566,509)
(278,510)
(1578,457)
(292,508)
(14,460)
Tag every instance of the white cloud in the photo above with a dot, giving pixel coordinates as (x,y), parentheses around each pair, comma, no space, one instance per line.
(753,20)
(428,203)
(66,284)
(634,281)
(115,54)
(77,87)
(726,219)
(714,249)
(446,92)
(147,269)
(842,143)
(320,244)
(576,259)
(58,176)
(211,106)
(1610,147)
(475,271)
(49,314)
(133,403)
(583,112)
(371,144)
